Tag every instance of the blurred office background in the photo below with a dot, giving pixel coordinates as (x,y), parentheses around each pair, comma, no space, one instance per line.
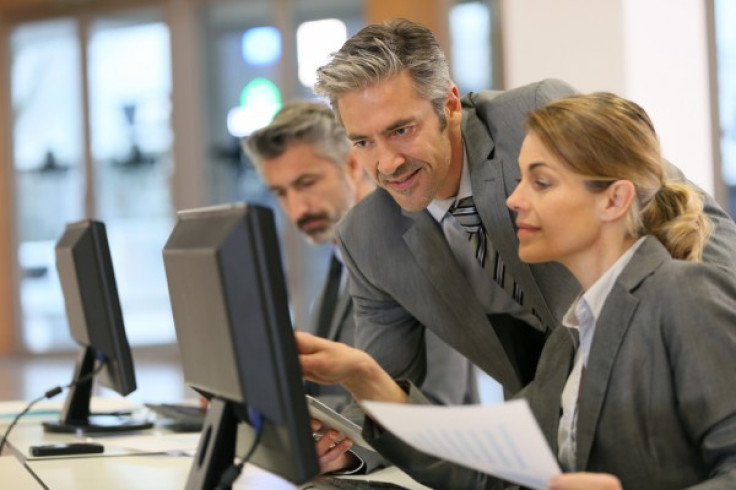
(128,110)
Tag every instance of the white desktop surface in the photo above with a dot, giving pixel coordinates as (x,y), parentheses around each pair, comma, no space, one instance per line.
(122,468)
(161,472)
(15,475)
(26,435)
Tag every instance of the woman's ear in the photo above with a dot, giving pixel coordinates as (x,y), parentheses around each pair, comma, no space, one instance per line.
(618,198)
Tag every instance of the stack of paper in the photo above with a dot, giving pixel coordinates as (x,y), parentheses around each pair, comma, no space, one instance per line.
(503,440)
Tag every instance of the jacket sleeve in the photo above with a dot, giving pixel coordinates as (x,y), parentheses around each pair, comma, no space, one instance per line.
(703,362)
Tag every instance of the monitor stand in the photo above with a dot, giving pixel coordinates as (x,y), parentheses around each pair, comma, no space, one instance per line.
(75,416)
(216,449)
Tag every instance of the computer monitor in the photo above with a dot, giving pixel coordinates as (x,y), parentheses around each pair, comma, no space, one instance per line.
(230,307)
(95,321)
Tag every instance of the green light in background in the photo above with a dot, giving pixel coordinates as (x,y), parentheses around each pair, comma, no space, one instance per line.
(260,100)
(260,92)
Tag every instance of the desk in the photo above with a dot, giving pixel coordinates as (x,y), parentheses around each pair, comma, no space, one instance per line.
(15,475)
(119,468)
(113,473)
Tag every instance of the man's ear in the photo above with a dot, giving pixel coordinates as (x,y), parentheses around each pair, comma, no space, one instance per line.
(453,105)
(617,200)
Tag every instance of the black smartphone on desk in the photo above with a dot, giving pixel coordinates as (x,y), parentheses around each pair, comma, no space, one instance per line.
(66,449)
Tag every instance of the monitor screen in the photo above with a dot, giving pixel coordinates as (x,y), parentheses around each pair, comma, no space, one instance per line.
(95,319)
(231,315)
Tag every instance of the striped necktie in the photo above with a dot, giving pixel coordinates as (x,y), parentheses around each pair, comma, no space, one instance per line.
(466,214)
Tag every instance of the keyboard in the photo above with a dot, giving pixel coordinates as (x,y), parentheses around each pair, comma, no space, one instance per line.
(179,418)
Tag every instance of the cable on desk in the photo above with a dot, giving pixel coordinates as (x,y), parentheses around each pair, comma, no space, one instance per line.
(231,474)
(50,394)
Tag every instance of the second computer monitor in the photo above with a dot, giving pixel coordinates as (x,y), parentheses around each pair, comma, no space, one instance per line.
(230,308)
(96,323)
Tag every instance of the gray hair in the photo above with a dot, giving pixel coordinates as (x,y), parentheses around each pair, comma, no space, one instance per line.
(380,51)
(299,122)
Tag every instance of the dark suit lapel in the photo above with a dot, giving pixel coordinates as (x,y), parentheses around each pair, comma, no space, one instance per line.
(342,309)
(610,332)
(468,333)
(329,298)
(491,177)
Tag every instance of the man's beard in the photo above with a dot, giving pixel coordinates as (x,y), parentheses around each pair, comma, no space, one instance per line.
(317,235)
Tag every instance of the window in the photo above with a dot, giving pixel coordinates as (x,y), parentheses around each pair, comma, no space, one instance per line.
(127,183)
(470,35)
(725,19)
(49,170)
(130,111)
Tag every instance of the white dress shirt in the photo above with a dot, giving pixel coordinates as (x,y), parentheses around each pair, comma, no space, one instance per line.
(581,318)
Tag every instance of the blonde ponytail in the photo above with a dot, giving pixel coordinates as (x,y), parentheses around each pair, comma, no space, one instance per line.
(675,216)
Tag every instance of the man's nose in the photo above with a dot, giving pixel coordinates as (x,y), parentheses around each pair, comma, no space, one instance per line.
(389,159)
(297,204)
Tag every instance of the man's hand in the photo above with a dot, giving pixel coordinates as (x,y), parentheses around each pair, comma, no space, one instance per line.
(332,450)
(584,481)
(326,362)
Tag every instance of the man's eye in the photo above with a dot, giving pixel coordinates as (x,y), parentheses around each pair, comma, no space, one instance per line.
(306,183)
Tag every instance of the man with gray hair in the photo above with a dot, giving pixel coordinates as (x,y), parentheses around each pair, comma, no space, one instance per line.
(434,249)
(305,158)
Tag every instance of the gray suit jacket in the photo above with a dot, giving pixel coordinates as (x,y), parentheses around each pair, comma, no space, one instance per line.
(406,281)
(448,374)
(658,400)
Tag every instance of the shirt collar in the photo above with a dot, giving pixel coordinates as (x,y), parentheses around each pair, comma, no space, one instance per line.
(584,312)
(438,207)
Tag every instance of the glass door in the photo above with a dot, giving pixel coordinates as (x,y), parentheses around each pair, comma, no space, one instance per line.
(259,56)
(117,68)
(725,16)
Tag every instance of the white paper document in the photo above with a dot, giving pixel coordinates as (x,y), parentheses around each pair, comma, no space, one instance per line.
(503,440)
